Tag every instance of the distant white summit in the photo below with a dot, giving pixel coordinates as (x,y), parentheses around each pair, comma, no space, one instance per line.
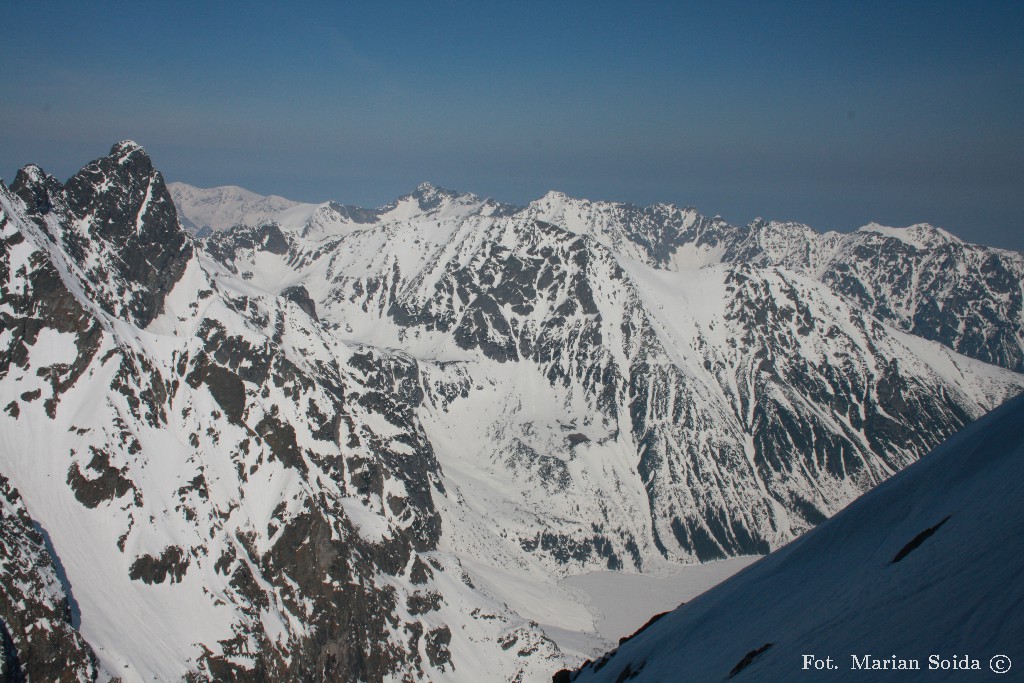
(209,210)
(920,235)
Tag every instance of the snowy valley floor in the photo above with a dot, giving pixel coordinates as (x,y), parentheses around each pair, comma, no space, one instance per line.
(586,615)
(622,603)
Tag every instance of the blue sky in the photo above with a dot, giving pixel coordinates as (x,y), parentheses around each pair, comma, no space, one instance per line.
(830,113)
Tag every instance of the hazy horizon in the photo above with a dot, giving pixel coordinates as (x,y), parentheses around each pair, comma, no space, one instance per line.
(832,115)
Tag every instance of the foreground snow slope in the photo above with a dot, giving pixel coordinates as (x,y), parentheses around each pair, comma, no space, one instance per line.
(928,563)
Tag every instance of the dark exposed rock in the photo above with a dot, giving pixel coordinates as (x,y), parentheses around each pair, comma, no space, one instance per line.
(225,386)
(420,573)
(280,437)
(577,438)
(106,482)
(36,188)
(549,471)
(171,564)
(226,244)
(748,659)
(251,363)
(11,670)
(349,622)
(300,297)
(272,239)
(437,647)
(421,603)
(566,548)
(44,301)
(356,214)
(916,541)
(242,580)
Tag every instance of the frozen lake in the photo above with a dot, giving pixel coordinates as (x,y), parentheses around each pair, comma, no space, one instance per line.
(622,603)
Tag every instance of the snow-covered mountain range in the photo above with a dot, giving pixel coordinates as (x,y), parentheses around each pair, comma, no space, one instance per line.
(325,442)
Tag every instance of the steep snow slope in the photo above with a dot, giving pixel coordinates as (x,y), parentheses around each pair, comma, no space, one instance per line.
(927,565)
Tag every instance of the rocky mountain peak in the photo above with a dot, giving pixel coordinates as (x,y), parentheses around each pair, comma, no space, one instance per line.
(118,225)
(431,196)
(30,174)
(36,188)
(126,148)
(429,199)
(552,199)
